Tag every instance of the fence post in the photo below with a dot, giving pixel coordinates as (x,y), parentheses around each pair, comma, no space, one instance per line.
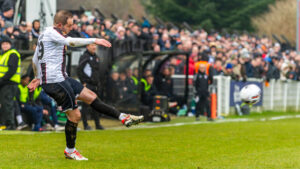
(227,94)
(297,96)
(285,96)
(272,94)
(219,94)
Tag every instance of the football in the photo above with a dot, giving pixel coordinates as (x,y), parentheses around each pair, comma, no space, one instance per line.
(250,94)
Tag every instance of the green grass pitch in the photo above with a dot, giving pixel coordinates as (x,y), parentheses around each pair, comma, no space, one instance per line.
(238,145)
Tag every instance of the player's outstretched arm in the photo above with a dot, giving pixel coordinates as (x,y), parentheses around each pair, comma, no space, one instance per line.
(77,42)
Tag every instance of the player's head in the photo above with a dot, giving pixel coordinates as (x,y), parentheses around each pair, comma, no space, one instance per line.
(63,20)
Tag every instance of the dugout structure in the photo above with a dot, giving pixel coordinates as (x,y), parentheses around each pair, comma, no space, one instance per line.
(124,54)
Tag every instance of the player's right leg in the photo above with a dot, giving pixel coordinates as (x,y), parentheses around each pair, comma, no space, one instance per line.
(89,97)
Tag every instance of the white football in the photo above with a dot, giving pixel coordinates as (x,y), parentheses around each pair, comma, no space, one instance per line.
(250,94)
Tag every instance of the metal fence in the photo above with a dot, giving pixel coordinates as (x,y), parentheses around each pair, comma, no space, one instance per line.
(278,96)
(282,96)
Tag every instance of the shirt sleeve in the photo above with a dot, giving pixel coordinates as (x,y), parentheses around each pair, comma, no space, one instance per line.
(69,41)
(35,61)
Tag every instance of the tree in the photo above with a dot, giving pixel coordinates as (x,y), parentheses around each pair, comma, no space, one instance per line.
(217,14)
(280,20)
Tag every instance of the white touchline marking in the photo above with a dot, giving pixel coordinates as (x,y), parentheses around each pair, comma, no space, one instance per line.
(163,125)
(214,122)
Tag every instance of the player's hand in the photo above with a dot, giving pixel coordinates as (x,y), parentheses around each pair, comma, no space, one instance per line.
(103,42)
(33,84)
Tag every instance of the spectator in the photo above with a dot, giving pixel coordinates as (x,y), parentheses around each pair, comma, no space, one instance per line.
(9,30)
(22,37)
(162,42)
(35,29)
(34,113)
(133,79)
(125,90)
(108,30)
(89,31)
(201,83)
(74,32)
(218,67)
(49,105)
(10,63)
(273,69)
(148,91)
(246,62)
(135,32)
(120,33)
(258,70)
(238,70)
(96,32)
(229,72)
(113,84)
(164,83)
(19,118)
(89,74)
(7,9)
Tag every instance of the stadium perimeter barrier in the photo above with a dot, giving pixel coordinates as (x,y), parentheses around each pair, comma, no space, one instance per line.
(276,96)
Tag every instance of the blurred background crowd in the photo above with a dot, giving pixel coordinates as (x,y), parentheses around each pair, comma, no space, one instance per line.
(238,55)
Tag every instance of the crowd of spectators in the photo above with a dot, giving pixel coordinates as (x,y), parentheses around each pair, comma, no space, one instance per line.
(239,56)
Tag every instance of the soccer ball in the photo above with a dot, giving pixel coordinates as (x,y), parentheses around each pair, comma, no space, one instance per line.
(250,94)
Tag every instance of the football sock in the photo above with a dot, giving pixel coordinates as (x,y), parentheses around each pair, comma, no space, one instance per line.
(70,150)
(101,107)
(122,116)
(70,131)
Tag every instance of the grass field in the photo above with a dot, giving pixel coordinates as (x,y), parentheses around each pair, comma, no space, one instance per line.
(263,142)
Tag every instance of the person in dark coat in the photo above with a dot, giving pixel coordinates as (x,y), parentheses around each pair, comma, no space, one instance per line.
(89,75)
(164,83)
(148,91)
(201,84)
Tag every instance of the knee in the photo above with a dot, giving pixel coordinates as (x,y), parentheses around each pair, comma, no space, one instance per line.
(77,117)
(87,96)
(93,96)
(74,116)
